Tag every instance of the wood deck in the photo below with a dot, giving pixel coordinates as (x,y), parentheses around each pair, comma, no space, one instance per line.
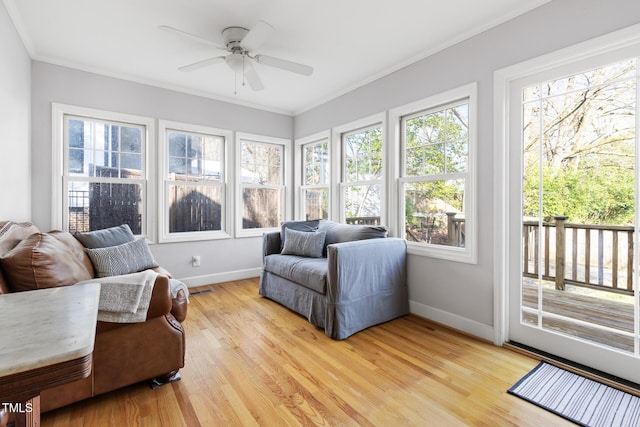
(602,312)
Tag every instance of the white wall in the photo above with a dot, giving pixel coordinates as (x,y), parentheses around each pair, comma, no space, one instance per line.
(15,132)
(461,295)
(221,259)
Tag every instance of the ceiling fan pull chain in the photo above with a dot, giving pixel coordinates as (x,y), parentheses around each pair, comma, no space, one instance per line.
(243,55)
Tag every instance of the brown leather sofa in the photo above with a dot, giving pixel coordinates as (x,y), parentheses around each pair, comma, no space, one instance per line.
(124,353)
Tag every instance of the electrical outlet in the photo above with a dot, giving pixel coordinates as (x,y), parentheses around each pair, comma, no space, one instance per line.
(195,261)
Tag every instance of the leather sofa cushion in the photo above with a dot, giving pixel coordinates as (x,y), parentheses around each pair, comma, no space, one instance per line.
(308,272)
(42,261)
(75,247)
(11,233)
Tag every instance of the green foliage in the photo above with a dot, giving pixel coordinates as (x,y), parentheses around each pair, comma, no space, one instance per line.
(437,143)
(603,195)
(408,208)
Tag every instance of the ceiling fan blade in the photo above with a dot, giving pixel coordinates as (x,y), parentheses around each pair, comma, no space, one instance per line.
(257,36)
(251,75)
(201,64)
(191,36)
(283,64)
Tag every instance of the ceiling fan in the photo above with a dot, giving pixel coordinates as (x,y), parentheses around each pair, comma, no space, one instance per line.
(240,43)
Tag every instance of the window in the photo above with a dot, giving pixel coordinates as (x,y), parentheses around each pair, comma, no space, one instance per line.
(261,184)
(361,185)
(436,177)
(193,204)
(104,170)
(315,179)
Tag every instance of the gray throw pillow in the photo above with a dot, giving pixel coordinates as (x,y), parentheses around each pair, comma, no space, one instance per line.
(107,237)
(303,243)
(311,225)
(127,258)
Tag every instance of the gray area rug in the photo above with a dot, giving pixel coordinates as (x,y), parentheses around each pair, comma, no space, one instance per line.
(584,401)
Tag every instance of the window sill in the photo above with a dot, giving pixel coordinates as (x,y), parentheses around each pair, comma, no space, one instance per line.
(255,232)
(464,255)
(194,236)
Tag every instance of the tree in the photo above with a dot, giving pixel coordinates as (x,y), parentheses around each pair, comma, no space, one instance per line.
(579,142)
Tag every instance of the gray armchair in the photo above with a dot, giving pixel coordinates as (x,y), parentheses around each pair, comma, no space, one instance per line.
(360,283)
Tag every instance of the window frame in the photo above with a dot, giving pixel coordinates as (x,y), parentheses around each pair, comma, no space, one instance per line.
(60,159)
(338,160)
(165,236)
(285,186)
(299,167)
(444,100)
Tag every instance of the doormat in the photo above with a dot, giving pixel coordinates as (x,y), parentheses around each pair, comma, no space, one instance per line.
(578,399)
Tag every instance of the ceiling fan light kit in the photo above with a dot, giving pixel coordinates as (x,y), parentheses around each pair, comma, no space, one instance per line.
(236,62)
(240,42)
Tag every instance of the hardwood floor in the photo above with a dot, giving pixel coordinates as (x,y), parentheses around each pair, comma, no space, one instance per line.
(251,361)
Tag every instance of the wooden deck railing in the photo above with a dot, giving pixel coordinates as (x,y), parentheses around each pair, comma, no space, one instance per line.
(455,230)
(593,256)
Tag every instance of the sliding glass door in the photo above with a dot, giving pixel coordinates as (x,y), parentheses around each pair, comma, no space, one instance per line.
(573,252)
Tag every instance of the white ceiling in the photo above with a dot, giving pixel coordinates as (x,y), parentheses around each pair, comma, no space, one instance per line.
(348,42)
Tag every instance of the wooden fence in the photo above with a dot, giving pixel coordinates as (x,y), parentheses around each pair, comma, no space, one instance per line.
(105,205)
(194,209)
(113,204)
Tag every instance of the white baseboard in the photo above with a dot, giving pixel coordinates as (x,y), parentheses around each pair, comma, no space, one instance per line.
(452,320)
(228,276)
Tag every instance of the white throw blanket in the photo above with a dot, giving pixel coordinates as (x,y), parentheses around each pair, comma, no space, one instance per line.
(176,286)
(125,298)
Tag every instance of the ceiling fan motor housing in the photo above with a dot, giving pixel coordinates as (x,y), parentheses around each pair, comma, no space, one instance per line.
(232,37)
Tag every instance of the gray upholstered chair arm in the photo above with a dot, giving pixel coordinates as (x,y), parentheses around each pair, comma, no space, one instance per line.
(362,268)
(270,244)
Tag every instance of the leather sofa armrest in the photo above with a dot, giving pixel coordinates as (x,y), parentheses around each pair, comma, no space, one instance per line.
(179,306)
(163,271)
(161,301)
(180,303)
